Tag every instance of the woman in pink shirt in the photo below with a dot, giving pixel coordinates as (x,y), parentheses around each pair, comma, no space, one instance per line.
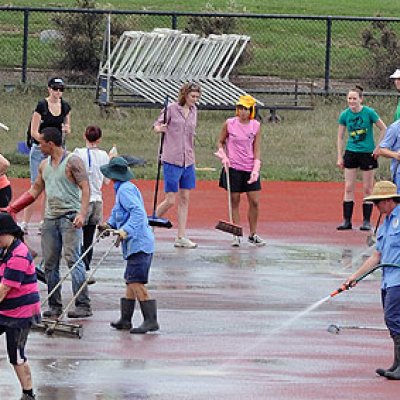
(239,149)
(178,157)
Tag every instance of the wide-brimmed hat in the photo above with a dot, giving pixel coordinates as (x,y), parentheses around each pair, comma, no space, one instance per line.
(117,169)
(248,102)
(9,226)
(383,190)
(396,74)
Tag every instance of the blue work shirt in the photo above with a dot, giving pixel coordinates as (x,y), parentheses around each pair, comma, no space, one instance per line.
(391,141)
(130,215)
(388,245)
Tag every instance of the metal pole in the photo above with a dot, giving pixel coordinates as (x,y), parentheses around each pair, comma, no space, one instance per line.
(108,57)
(328,53)
(25,45)
(174,21)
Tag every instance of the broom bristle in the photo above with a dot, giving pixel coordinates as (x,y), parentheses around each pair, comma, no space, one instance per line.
(228,227)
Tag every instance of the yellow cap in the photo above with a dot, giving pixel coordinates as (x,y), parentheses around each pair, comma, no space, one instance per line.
(248,102)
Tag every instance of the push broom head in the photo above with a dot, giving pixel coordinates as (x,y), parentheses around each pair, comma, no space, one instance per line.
(228,227)
(159,222)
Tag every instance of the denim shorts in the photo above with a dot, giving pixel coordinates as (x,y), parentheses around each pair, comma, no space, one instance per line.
(35,158)
(176,177)
(138,267)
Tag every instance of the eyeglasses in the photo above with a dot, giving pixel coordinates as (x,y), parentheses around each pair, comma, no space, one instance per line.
(57,88)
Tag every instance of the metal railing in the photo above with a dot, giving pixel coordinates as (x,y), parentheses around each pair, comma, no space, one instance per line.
(324,49)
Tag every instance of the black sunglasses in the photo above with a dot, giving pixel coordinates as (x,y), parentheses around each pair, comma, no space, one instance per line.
(58,88)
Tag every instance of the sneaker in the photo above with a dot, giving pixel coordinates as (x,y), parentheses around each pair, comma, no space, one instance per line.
(52,313)
(235,241)
(184,243)
(366,226)
(80,313)
(90,281)
(24,227)
(255,239)
(40,227)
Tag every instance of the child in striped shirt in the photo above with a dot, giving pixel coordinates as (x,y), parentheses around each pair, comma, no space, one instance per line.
(19,298)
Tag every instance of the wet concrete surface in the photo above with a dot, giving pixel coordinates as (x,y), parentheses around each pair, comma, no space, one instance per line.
(235,324)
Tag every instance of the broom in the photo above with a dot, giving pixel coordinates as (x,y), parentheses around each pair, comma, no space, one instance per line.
(226,226)
(153,219)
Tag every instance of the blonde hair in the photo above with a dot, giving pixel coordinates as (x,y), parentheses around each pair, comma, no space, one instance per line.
(185,90)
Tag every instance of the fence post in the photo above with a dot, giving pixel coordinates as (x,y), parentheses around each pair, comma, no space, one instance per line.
(174,21)
(25,45)
(328,53)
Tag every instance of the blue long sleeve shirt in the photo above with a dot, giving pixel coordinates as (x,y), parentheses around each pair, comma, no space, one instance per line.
(130,215)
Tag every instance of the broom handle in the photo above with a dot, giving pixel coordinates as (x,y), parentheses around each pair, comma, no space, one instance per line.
(228,189)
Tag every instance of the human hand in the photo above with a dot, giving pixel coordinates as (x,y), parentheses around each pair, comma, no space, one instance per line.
(340,162)
(122,235)
(78,221)
(104,229)
(223,157)
(255,173)
(253,177)
(160,128)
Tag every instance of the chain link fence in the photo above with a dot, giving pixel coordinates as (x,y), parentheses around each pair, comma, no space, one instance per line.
(39,42)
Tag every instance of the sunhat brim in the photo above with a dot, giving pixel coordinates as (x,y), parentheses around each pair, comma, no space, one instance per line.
(116,175)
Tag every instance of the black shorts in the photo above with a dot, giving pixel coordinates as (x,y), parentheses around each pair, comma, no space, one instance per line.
(364,161)
(238,181)
(16,340)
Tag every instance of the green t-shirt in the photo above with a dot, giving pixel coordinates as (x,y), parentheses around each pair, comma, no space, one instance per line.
(397,113)
(360,129)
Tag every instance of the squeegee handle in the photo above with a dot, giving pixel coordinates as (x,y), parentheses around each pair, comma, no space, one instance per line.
(160,150)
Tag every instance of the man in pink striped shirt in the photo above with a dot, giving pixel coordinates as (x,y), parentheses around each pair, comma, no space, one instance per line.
(19,298)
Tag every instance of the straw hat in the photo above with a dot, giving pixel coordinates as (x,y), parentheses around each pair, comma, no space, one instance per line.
(248,102)
(117,169)
(383,190)
(396,74)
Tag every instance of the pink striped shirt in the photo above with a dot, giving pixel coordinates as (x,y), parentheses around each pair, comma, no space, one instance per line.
(22,301)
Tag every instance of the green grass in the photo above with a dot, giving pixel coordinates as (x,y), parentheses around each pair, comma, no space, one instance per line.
(298,45)
(386,8)
(302,147)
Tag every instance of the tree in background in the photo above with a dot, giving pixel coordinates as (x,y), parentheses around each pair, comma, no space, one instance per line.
(384,50)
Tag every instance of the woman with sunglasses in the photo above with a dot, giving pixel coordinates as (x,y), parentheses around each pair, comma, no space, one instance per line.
(239,149)
(51,111)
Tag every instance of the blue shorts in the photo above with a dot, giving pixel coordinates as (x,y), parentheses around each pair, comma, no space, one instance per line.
(138,267)
(176,177)
(35,158)
(391,309)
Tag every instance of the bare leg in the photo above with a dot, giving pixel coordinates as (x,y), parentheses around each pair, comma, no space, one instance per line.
(235,200)
(252,215)
(350,176)
(183,207)
(137,291)
(166,204)
(368,181)
(23,372)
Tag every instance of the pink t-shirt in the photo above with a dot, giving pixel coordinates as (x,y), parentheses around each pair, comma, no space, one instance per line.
(239,143)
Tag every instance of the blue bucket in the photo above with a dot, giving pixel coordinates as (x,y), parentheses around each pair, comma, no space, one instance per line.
(22,148)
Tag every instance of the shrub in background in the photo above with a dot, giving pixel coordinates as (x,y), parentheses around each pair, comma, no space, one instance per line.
(83,36)
(384,47)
